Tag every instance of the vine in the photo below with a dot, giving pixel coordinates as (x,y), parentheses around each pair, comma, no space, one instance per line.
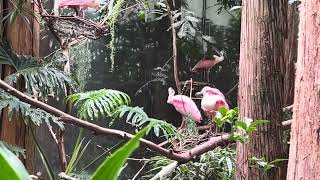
(111,21)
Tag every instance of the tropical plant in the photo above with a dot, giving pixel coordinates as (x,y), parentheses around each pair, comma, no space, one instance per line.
(216,164)
(263,164)
(138,118)
(98,103)
(113,165)
(26,111)
(11,166)
(40,79)
(18,151)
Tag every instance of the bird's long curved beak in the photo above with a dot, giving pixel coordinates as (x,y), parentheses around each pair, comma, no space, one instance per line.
(199,94)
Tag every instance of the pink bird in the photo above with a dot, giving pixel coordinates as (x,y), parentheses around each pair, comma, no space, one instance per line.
(206,64)
(184,105)
(212,100)
(79,5)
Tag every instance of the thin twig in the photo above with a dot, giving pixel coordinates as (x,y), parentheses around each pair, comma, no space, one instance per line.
(232,89)
(140,170)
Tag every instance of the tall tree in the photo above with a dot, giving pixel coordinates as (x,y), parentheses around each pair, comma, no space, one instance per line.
(291,53)
(262,66)
(23,36)
(304,159)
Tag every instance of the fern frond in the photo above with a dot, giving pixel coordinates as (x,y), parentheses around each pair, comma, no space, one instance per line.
(25,111)
(40,80)
(138,118)
(18,151)
(98,103)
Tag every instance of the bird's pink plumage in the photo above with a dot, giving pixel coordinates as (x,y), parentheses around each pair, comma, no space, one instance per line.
(185,106)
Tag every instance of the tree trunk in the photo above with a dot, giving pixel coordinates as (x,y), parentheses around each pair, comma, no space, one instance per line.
(24,39)
(291,53)
(262,69)
(304,160)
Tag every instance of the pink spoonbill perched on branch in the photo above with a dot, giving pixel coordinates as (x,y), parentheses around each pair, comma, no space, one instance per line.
(212,100)
(206,64)
(184,105)
(79,5)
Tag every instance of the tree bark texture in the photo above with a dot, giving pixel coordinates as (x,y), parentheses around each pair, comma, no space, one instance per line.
(261,84)
(304,159)
(23,37)
(291,53)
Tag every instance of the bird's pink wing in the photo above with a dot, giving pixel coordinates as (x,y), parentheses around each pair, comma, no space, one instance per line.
(194,111)
(204,64)
(186,107)
(75,2)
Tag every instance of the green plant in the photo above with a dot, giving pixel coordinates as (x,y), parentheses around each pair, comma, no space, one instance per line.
(18,151)
(26,111)
(216,164)
(112,166)
(110,20)
(263,164)
(11,166)
(241,128)
(40,79)
(98,103)
(137,117)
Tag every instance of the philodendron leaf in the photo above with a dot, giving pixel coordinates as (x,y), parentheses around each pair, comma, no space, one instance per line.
(11,167)
(112,166)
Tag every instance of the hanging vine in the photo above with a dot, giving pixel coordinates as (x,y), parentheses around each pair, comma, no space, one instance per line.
(110,20)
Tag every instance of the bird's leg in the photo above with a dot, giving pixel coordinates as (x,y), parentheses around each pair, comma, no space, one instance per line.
(81,12)
(183,123)
(208,73)
(76,10)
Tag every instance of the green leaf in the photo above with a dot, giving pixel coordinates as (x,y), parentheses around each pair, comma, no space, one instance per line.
(111,167)
(11,167)
(223,111)
(241,125)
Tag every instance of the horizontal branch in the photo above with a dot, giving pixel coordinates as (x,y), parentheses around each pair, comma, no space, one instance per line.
(184,157)
(285,125)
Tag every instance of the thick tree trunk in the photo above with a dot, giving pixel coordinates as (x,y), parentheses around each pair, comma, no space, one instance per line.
(304,158)
(262,66)
(23,38)
(291,53)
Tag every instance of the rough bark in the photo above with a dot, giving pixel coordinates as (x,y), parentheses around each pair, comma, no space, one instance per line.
(304,159)
(263,34)
(291,53)
(23,39)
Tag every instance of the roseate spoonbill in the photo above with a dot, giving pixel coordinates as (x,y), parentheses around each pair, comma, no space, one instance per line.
(184,105)
(212,100)
(79,5)
(206,64)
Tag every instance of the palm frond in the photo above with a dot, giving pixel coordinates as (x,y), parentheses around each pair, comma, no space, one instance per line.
(98,103)
(18,151)
(40,80)
(27,113)
(138,118)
